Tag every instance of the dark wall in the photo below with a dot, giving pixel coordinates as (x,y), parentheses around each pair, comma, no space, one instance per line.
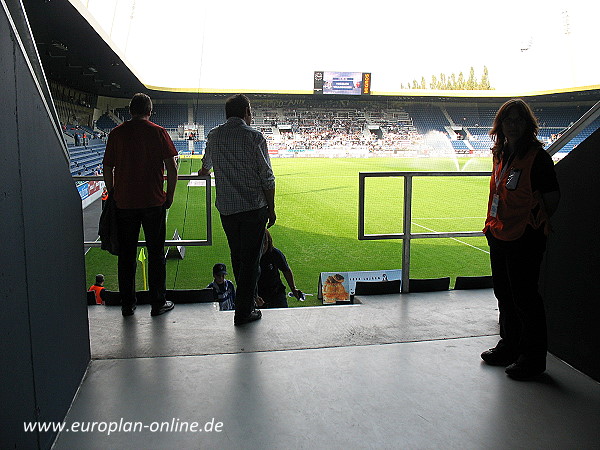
(43,313)
(571,271)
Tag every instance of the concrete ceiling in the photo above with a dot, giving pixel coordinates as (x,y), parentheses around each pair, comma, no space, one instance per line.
(73,54)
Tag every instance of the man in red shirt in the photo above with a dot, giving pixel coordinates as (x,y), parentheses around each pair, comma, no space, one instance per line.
(136,154)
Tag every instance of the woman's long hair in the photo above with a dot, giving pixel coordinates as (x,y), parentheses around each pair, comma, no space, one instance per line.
(529,139)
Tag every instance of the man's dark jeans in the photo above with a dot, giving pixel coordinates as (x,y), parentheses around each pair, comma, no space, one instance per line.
(153,222)
(245,232)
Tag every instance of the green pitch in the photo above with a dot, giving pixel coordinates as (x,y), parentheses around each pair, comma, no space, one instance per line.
(317,222)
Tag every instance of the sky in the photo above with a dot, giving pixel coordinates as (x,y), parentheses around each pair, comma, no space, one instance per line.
(270,45)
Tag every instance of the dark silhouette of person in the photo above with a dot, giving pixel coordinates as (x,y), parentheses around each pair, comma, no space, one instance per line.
(524,193)
(245,197)
(137,153)
(270,288)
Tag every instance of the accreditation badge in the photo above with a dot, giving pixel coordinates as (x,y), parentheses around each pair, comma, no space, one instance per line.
(494,207)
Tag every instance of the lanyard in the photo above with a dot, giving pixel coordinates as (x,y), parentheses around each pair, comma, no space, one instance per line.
(497,178)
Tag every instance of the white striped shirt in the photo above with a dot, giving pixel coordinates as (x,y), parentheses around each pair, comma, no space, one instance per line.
(238,153)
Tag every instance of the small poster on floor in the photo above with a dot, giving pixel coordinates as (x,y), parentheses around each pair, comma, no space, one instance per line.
(334,287)
(339,287)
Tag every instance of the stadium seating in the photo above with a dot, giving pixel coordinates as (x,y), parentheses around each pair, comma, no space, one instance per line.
(86,160)
(166,115)
(210,116)
(317,127)
(105,123)
(123,113)
(471,116)
(181,146)
(460,147)
(582,136)
(427,117)
(169,116)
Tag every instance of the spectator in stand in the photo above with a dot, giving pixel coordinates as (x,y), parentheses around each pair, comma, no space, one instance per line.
(245,197)
(137,153)
(270,288)
(223,290)
(98,287)
(524,193)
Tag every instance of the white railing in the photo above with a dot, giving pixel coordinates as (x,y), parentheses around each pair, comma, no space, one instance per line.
(179,242)
(407,235)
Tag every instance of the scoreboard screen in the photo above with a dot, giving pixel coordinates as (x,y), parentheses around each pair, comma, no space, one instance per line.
(342,83)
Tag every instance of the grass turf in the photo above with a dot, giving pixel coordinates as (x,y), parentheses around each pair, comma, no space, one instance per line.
(317,228)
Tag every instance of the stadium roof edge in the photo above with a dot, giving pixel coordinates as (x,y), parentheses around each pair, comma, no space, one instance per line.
(223,91)
(482,93)
(404,93)
(91,20)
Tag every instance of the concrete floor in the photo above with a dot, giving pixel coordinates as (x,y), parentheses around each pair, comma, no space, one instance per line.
(398,371)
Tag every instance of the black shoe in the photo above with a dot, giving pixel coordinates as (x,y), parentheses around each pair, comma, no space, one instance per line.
(526,368)
(168,306)
(254,315)
(128,310)
(498,357)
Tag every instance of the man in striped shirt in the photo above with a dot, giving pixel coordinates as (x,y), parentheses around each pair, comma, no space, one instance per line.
(245,198)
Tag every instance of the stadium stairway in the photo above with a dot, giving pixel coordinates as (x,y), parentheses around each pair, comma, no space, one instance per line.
(396,371)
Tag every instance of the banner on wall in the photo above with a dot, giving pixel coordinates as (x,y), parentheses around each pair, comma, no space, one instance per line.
(84,190)
(94,186)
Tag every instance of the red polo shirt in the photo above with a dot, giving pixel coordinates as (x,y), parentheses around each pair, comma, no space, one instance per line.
(136,149)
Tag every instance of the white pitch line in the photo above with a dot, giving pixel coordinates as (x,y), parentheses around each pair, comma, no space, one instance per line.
(444,218)
(454,239)
(318,176)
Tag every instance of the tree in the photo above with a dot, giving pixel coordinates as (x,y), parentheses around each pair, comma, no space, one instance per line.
(434,82)
(460,83)
(443,82)
(453,82)
(485,79)
(472,81)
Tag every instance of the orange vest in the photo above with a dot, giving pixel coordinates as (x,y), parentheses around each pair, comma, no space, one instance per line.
(516,208)
(97,290)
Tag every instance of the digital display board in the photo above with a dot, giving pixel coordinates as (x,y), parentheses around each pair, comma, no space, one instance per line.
(342,83)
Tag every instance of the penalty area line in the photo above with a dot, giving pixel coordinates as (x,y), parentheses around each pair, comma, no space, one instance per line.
(454,239)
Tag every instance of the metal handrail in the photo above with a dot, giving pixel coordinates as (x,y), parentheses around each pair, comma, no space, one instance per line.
(178,242)
(406,234)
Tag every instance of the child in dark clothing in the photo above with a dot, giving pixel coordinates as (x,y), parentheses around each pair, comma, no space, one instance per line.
(270,288)
(223,290)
